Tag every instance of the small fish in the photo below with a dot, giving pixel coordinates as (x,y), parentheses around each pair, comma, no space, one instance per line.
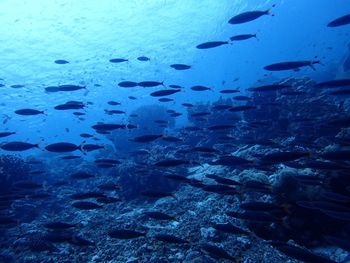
(108,200)
(230,229)
(86,135)
(341,21)
(242,108)
(180,66)
(170,239)
(127,84)
(63,147)
(280,157)
(91,147)
(70,157)
(291,65)
(118,60)
(165,100)
(87,195)
(57,225)
(5,134)
(113,103)
(212,44)
(125,234)
(229,91)
(158,215)
(70,87)
(166,92)
(82,175)
(85,205)
(70,106)
(156,194)
(273,87)
(343,92)
(28,112)
(146,138)
(200,88)
(18,146)
(143,58)
(300,253)
(242,37)
(248,16)
(333,83)
(148,84)
(217,252)
(61,61)
(172,162)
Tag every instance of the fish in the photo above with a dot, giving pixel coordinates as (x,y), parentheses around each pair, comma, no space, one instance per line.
(81,175)
(87,195)
(27,185)
(70,106)
(200,88)
(80,241)
(86,135)
(231,160)
(127,84)
(91,147)
(189,105)
(175,86)
(113,103)
(170,239)
(211,44)
(248,16)
(147,138)
(108,200)
(111,126)
(255,216)
(109,186)
(221,127)
(118,60)
(143,58)
(291,65)
(242,98)
(156,194)
(273,87)
(57,225)
(242,108)
(172,162)
(286,156)
(27,112)
(85,205)
(166,92)
(17,86)
(5,134)
(343,92)
(70,157)
(70,87)
(165,99)
(229,91)
(125,234)
(230,229)
(18,146)
(148,84)
(61,147)
(217,252)
(180,66)
(61,61)
(333,83)
(300,253)
(158,215)
(220,189)
(341,21)
(242,37)
(111,112)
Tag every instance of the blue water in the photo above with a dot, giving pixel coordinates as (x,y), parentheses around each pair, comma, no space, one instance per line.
(87,34)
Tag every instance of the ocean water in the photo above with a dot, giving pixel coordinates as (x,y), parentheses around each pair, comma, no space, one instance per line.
(174,131)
